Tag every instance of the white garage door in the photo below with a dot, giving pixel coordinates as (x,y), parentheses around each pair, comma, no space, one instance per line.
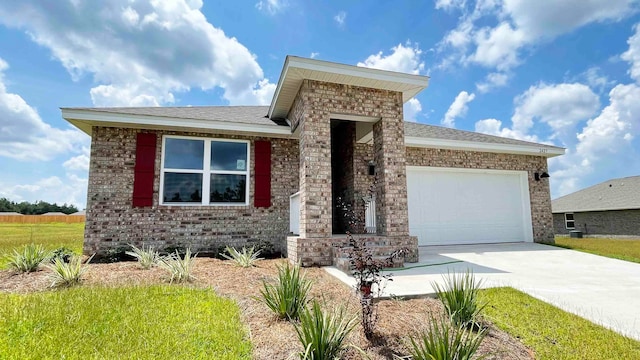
(468,206)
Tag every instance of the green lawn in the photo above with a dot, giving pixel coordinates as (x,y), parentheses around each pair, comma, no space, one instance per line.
(52,236)
(553,333)
(623,249)
(157,322)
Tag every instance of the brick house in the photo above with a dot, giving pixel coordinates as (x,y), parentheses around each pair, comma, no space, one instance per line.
(609,208)
(275,173)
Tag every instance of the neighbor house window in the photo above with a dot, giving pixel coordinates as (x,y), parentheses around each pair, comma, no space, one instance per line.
(569,222)
(198,171)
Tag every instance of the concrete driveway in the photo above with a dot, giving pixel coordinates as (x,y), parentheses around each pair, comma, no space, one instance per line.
(603,290)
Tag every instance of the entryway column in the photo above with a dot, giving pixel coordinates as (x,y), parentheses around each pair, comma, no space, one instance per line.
(315,172)
(391,180)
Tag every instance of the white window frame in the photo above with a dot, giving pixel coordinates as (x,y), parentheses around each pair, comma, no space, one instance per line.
(566,222)
(206,172)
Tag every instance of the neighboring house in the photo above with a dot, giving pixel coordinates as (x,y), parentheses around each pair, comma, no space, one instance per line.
(54,213)
(274,173)
(9,213)
(79,213)
(608,208)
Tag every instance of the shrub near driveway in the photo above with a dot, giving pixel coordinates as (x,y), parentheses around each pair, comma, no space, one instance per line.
(156,322)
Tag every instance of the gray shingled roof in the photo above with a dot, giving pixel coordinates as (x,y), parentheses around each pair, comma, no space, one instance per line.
(257,115)
(242,114)
(444,133)
(615,194)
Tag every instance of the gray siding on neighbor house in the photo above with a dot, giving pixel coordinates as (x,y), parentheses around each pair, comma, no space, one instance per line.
(112,222)
(612,222)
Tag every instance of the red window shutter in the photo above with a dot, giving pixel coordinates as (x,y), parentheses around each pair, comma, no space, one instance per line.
(262,173)
(144,170)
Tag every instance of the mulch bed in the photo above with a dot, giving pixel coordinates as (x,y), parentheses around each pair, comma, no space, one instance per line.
(272,338)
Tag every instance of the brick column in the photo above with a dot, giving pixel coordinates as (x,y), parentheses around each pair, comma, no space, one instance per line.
(392,217)
(315,171)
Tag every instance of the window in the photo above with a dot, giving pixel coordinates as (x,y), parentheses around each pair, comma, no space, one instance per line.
(198,171)
(569,222)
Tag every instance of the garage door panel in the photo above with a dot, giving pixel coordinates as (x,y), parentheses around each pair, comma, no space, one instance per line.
(462,206)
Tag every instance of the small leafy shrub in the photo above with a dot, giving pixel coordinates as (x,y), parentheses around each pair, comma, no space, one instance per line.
(288,297)
(247,257)
(28,259)
(370,280)
(267,249)
(444,341)
(146,257)
(116,254)
(67,273)
(179,268)
(179,249)
(64,253)
(322,334)
(459,295)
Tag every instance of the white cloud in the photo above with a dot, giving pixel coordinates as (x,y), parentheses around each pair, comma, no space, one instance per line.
(450,4)
(498,47)
(72,189)
(314,55)
(411,109)
(340,18)
(492,81)
(152,50)
(78,163)
(271,6)
(614,127)
(632,55)
(520,23)
(494,127)
(24,135)
(458,108)
(405,59)
(596,80)
(561,106)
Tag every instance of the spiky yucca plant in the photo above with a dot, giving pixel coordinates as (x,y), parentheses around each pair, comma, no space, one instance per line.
(322,334)
(146,257)
(179,268)
(28,259)
(245,258)
(67,273)
(459,295)
(288,296)
(443,341)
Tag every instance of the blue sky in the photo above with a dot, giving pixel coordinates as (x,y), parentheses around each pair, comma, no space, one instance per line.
(564,72)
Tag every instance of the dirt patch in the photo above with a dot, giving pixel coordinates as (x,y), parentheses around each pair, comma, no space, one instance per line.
(274,339)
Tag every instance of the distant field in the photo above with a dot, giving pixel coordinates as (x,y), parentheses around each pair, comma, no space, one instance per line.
(52,236)
(623,249)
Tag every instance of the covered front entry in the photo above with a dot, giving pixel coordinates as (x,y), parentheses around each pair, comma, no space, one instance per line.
(468,206)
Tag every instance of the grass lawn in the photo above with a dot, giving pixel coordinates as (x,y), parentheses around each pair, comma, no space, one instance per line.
(52,236)
(623,249)
(551,332)
(153,322)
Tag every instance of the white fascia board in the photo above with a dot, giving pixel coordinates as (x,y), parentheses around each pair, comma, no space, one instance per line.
(84,118)
(276,94)
(413,141)
(358,71)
